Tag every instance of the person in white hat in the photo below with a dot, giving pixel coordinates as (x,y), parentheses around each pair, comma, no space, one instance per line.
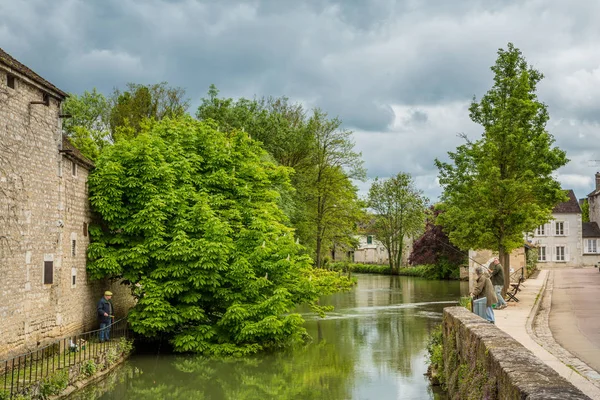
(105,315)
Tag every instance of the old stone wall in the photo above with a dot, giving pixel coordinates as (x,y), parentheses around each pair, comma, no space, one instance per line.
(483,362)
(44,212)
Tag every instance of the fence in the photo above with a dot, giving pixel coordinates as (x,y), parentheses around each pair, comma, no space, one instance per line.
(21,372)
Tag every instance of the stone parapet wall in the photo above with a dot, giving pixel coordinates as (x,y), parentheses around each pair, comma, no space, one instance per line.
(483,362)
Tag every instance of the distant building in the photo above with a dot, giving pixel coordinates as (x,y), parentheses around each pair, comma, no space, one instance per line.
(566,240)
(44,218)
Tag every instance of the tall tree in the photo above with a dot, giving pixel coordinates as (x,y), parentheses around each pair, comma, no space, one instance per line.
(501,185)
(400,210)
(88,125)
(324,207)
(434,248)
(327,190)
(130,108)
(189,218)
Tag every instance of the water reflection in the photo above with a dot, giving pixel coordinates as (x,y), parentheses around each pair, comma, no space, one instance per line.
(371,347)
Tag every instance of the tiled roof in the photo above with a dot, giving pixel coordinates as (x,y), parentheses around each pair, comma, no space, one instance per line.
(72,152)
(16,66)
(570,206)
(590,229)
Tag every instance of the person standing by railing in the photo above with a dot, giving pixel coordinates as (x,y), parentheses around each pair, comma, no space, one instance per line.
(105,315)
(497,278)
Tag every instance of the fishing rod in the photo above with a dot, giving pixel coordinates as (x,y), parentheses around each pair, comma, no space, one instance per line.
(461,253)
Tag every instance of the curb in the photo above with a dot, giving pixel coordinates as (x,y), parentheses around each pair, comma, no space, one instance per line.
(533,313)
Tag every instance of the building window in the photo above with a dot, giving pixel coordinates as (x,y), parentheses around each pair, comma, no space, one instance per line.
(10,81)
(73,276)
(540,231)
(73,247)
(560,253)
(370,239)
(559,228)
(48,272)
(74,168)
(590,246)
(85,229)
(542,253)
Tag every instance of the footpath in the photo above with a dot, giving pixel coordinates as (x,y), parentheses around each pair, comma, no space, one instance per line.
(528,322)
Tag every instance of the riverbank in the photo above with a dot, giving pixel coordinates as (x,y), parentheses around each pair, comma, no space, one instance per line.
(432,272)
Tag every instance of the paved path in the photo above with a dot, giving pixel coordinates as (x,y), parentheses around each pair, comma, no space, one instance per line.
(517,321)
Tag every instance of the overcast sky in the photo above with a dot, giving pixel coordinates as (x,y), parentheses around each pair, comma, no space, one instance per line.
(400,74)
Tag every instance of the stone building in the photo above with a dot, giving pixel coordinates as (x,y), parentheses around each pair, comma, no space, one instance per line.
(44,218)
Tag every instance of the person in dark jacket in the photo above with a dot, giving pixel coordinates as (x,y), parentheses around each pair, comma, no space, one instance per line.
(105,316)
(484,288)
(497,278)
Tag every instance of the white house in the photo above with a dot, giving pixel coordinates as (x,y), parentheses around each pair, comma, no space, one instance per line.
(565,240)
(370,251)
(559,241)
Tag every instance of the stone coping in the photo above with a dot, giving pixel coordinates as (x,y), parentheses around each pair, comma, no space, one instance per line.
(514,370)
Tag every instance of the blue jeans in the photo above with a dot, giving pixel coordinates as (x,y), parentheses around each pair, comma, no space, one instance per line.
(498,289)
(489,314)
(104,331)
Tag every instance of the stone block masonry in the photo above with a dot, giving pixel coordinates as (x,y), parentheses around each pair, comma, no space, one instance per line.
(44,214)
(483,362)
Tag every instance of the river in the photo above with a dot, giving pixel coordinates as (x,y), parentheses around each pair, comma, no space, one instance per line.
(372,346)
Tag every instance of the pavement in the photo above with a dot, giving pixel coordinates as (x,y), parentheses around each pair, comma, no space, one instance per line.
(544,306)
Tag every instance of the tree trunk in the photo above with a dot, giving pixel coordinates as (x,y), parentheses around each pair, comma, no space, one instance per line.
(504,259)
(319,241)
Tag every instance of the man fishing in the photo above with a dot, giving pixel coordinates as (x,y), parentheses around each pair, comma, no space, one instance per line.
(105,315)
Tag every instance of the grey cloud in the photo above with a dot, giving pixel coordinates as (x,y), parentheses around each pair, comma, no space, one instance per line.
(352,58)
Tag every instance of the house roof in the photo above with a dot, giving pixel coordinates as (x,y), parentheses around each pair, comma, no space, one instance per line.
(590,229)
(17,67)
(72,152)
(570,206)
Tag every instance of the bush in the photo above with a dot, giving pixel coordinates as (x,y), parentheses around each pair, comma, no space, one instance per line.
(435,349)
(54,384)
(441,271)
(361,268)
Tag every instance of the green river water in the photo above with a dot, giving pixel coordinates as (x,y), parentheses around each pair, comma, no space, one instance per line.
(373,346)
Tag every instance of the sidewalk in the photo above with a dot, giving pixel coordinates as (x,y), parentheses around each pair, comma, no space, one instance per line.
(517,320)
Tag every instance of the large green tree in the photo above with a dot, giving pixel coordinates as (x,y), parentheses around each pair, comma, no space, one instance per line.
(323,207)
(136,104)
(88,124)
(190,220)
(500,186)
(400,211)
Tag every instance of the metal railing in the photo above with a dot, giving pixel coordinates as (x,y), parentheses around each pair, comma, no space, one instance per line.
(20,372)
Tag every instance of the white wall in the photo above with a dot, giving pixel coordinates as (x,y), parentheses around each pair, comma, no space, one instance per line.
(551,238)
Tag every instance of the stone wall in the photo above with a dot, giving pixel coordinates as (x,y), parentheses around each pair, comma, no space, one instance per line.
(483,362)
(44,210)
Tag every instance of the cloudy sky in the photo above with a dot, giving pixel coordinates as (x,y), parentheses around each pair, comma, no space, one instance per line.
(400,74)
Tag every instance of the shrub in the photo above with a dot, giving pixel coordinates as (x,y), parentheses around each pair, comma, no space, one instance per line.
(54,384)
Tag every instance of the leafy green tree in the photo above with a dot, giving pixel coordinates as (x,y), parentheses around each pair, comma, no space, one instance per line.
(400,211)
(140,102)
(585,211)
(501,185)
(190,220)
(88,126)
(324,206)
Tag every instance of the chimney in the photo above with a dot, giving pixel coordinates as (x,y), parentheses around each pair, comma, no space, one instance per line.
(597,180)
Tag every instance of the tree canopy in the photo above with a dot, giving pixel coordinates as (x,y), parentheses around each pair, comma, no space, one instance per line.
(399,213)
(323,206)
(190,219)
(501,185)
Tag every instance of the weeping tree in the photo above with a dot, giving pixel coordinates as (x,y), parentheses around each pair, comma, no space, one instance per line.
(501,185)
(189,217)
(400,210)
